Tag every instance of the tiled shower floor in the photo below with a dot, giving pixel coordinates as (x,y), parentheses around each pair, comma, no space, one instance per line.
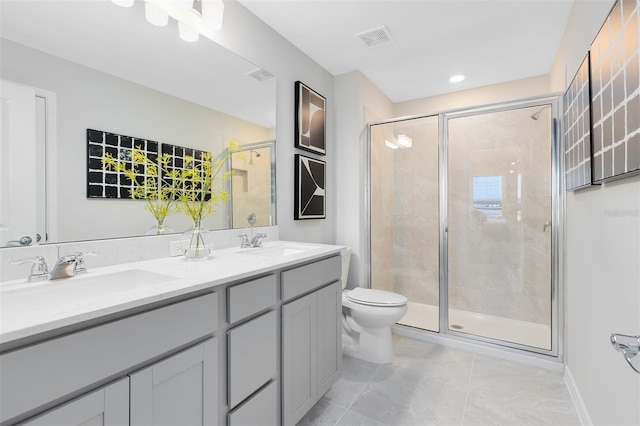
(431,384)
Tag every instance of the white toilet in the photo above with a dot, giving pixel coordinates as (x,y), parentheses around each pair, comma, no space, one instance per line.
(367,317)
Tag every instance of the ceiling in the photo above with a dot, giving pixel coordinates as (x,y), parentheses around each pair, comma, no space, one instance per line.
(489,41)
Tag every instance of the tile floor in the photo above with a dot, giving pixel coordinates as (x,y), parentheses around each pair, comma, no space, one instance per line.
(430,384)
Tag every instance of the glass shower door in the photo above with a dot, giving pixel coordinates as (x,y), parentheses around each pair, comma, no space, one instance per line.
(404,216)
(499,212)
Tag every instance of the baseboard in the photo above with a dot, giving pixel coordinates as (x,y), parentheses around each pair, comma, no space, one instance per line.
(529,358)
(583,414)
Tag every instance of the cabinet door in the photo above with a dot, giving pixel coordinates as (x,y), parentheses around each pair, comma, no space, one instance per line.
(329,336)
(108,406)
(299,357)
(179,390)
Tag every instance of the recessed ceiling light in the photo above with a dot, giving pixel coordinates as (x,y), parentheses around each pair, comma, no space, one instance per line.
(456,78)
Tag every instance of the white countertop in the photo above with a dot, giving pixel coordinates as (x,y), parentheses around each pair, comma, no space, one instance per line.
(27,309)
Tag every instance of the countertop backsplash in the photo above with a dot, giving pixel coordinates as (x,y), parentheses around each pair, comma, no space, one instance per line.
(113,251)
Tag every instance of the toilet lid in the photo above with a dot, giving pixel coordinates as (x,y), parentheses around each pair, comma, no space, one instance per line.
(367,296)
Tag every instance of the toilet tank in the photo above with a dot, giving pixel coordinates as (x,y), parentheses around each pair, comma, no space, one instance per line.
(346,259)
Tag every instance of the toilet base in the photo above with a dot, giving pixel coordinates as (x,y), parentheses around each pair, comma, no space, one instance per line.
(373,345)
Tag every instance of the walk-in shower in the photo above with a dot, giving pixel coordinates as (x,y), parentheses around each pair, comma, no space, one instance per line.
(463,210)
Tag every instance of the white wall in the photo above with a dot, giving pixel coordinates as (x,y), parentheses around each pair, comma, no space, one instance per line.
(510,90)
(243,33)
(358,102)
(602,279)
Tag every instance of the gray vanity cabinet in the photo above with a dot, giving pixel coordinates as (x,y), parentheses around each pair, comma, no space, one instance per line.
(108,406)
(252,348)
(71,369)
(179,390)
(311,335)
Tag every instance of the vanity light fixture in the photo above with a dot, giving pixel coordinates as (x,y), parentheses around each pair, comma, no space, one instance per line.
(187,33)
(194,17)
(155,15)
(123,3)
(456,78)
(404,141)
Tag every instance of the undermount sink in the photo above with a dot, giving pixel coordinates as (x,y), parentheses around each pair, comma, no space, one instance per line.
(277,250)
(128,278)
(90,286)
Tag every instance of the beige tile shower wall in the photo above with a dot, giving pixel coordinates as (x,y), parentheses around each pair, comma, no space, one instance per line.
(382,194)
(405,248)
(501,268)
(252,188)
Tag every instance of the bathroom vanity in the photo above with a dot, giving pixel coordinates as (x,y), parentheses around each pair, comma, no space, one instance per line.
(249,336)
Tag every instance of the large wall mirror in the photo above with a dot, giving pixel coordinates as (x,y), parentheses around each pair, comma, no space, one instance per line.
(95,65)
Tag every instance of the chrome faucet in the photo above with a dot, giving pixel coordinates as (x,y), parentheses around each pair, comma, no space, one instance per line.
(70,265)
(245,241)
(254,242)
(39,269)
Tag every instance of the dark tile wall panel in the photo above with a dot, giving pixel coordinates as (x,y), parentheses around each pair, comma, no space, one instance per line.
(577,134)
(615,83)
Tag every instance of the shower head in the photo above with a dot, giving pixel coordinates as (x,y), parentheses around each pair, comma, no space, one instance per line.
(536,114)
(251,155)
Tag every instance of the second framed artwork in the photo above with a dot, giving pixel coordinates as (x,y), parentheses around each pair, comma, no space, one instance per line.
(310,194)
(310,109)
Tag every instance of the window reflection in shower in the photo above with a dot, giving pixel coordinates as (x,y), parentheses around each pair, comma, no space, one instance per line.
(499,199)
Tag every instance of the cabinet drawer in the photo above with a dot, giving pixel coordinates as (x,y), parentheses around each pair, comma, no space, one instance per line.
(252,356)
(261,409)
(251,297)
(301,280)
(37,374)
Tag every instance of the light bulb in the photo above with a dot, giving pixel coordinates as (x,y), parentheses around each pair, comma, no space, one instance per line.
(212,13)
(155,16)
(123,3)
(187,33)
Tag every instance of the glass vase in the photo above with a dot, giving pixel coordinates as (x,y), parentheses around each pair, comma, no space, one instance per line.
(197,242)
(159,228)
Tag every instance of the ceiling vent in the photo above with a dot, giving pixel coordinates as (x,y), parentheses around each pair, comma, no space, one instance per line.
(376,37)
(260,74)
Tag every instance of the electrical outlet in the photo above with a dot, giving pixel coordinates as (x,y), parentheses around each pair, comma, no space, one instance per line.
(175,248)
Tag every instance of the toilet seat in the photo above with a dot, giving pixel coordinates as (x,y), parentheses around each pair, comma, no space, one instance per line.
(372,297)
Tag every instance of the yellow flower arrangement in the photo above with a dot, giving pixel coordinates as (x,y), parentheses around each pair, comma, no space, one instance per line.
(191,189)
(198,196)
(158,193)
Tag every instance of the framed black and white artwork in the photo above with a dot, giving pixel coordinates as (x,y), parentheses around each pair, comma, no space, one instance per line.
(310,108)
(310,194)
(103,183)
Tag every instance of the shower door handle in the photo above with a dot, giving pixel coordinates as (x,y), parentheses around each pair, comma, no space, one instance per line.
(547,223)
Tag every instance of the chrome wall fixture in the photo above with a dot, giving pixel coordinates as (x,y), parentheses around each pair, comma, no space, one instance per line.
(630,348)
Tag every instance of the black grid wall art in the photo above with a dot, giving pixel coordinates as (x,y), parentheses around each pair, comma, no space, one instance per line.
(108,183)
(577,118)
(309,188)
(310,108)
(615,82)
(177,162)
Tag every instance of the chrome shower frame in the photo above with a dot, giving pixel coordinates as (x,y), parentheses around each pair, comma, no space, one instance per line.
(556,353)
